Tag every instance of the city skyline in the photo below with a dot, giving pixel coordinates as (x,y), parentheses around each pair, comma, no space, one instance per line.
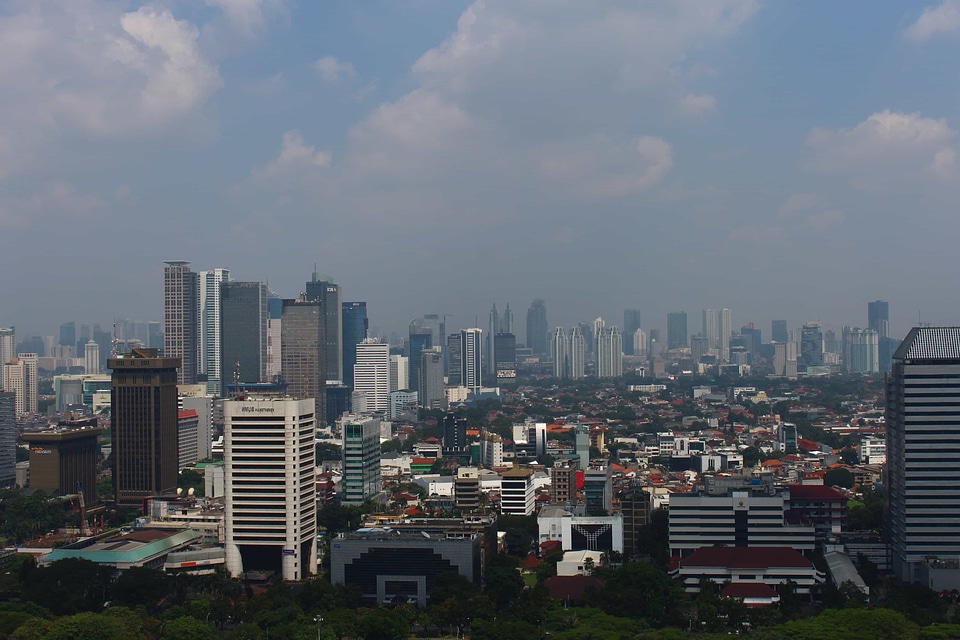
(720,154)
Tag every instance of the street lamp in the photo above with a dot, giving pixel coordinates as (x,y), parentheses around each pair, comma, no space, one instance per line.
(319,621)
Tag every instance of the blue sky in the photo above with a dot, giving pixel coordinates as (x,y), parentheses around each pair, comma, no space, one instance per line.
(786,160)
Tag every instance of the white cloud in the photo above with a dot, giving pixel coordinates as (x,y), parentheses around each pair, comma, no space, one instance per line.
(245,16)
(333,70)
(296,160)
(936,20)
(887,148)
(697,104)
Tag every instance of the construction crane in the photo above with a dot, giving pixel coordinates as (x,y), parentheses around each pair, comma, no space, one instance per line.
(84,530)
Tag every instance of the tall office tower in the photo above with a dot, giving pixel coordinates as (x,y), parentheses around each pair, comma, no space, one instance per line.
(830,342)
(181,318)
(83,336)
(581,440)
(577,354)
(8,438)
(421,339)
(360,458)
(471,360)
(505,356)
(537,327)
(677,330)
(355,326)
(274,337)
(861,350)
(726,330)
(506,320)
(778,331)
(491,359)
(143,397)
(243,332)
(303,362)
(454,434)
(923,455)
(399,373)
(8,347)
(270,484)
(210,359)
(596,327)
(609,353)
(155,335)
(631,322)
(68,334)
(878,317)
(454,359)
(586,330)
(20,377)
(639,340)
(785,359)
(811,345)
(711,328)
(751,339)
(563,481)
(323,288)
(430,388)
(371,374)
(559,349)
(91,358)
(699,347)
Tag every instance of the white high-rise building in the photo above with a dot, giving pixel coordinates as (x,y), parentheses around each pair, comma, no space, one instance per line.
(610,353)
(640,343)
(270,486)
(8,349)
(471,354)
(726,329)
(360,458)
(371,374)
(598,325)
(559,349)
(578,354)
(399,373)
(91,358)
(20,376)
(210,341)
(861,350)
(711,328)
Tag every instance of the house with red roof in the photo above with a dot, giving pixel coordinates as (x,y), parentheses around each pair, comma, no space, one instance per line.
(770,566)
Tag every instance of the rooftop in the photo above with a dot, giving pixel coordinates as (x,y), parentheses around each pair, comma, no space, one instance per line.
(930,343)
(745,558)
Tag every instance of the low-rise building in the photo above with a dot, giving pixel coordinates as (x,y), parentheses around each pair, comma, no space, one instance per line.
(770,566)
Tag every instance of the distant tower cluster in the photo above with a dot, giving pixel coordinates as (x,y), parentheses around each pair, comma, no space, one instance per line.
(631,322)
(181,318)
(569,353)
(609,353)
(537,327)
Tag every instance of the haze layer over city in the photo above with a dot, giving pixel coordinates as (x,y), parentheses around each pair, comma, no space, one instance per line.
(781,160)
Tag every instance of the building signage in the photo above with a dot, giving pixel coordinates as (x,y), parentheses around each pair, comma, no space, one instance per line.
(289,552)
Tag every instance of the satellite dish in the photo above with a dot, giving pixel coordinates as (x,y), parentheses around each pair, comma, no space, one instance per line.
(179,490)
(191,491)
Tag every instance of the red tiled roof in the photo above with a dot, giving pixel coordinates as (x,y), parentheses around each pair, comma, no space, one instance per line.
(815,491)
(571,587)
(187,413)
(745,558)
(429,461)
(807,445)
(531,561)
(748,590)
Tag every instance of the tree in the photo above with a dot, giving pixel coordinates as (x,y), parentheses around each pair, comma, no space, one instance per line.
(190,479)
(839,477)
(383,624)
(139,585)
(186,628)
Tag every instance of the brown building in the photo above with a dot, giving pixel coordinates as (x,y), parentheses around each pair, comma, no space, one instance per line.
(563,481)
(62,458)
(303,355)
(144,406)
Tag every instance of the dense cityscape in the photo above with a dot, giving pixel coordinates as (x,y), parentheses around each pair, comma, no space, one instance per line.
(488,319)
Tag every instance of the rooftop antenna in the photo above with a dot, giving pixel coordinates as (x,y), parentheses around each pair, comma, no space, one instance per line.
(238,395)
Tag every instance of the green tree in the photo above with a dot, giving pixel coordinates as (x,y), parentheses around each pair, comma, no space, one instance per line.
(383,624)
(839,477)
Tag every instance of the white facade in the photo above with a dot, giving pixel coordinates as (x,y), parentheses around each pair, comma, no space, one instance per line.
(516,492)
(559,349)
(578,354)
(20,376)
(491,450)
(726,328)
(399,373)
(270,484)
(873,451)
(640,343)
(8,349)
(402,401)
(609,350)
(471,353)
(580,532)
(711,328)
(371,374)
(210,342)
(91,358)
(577,563)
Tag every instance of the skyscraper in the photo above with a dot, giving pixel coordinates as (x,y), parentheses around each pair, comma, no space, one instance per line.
(861,352)
(597,326)
(577,354)
(471,359)
(269,479)
(355,326)
(399,373)
(20,377)
(8,348)
(505,356)
(537,327)
(491,359)
(506,320)
(303,359)
(420,339)
(68,334)
(559,349)
(631,322)
(677,330)
(639,340)
(778,331)
(430,389)
(210,359)
(371,374)
(811,345)
(726,330)
(454,359)
(711,328)
(243,331)
(609,353)
(923,452)
(8,438)
(144,426)
(181,318)
(878,317)
(91,358)
(361,458)
(323,288)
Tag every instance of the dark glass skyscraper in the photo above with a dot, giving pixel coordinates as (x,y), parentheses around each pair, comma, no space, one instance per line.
(878,317)
(323,288)
(811,345)
(421,339)
(631,322)
(355,326)
(778,331)
(243,332)
(677,330)
(537,327)
(303,352)
(68,334)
